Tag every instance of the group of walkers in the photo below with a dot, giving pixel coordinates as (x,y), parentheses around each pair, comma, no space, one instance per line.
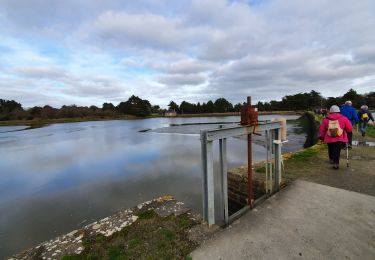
(336,129)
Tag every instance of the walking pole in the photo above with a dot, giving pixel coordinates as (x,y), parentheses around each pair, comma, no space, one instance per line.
(347,155)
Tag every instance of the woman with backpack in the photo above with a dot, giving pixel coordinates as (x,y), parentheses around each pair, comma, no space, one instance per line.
(364,116)
(334,131)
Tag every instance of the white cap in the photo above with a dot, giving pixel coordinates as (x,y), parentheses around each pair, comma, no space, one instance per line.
(334,109)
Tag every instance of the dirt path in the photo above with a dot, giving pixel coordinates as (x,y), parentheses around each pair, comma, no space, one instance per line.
(359,176)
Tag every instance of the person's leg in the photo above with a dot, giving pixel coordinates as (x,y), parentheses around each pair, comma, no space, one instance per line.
(364,127)
(361,127)
(336,149)
(350,137)
(330,152)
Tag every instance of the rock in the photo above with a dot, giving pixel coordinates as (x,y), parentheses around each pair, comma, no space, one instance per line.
(71,234)
(96,226)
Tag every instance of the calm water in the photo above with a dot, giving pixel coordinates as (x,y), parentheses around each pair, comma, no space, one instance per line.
(61,177)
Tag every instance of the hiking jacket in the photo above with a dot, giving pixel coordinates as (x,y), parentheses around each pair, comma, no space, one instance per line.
(361,112)
(350,113)
(344,124)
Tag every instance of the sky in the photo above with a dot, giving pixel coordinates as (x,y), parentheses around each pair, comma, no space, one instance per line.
(87,52)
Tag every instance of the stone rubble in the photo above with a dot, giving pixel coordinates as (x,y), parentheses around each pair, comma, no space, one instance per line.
(71,243)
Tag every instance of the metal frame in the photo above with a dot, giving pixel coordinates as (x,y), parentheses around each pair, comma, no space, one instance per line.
(208,187)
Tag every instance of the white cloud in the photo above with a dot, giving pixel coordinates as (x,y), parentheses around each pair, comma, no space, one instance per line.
(182,79)
(97,51)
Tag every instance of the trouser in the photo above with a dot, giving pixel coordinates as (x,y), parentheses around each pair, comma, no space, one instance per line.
(362,126)
(334,150)
(350,137)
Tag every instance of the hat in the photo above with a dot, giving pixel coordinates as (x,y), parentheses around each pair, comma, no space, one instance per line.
(334,109)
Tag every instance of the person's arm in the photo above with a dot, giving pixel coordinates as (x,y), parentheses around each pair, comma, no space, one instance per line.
(370,116)
(359,114)
(322,129)
(348,125)
(356,119)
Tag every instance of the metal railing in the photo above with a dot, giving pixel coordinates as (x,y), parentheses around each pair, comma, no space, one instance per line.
(273,146)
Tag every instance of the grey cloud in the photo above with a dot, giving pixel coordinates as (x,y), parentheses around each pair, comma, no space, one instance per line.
(41,72)
(125,30)
(186,66)
(181,79)
(104,87)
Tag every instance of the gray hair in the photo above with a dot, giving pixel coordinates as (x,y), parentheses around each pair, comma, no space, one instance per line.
(348,102)
(364,107)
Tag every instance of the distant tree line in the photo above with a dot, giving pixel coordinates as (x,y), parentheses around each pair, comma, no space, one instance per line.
(221,105)
(313,99)
(12,110)
(300,101)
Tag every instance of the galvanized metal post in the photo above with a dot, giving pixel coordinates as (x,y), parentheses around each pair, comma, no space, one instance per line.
(210,183)
(267,161)
(277,144)
(204,174)
(208,196)
(224,178)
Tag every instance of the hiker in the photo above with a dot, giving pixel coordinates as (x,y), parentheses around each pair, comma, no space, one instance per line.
(364,116)
(349,112)
(334,131)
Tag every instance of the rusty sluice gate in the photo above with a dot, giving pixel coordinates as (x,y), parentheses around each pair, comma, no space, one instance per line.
(249,126)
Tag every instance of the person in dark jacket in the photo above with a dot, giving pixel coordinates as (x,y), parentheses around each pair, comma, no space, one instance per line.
(349,112)
(364,116)
(334,131)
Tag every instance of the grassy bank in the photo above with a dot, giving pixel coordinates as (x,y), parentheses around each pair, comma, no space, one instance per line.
(151,237)
(370,131)
(312,164)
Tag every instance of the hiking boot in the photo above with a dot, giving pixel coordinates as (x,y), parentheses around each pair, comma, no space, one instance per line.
(335,166)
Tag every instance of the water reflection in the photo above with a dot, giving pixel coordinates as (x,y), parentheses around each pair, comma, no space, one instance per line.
(60,177)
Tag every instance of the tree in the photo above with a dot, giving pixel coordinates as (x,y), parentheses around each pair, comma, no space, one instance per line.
(221,105)
(353,96)
(370,99)
(10,109)
(187,108)
(108,106)
(209,107)
(237,107)
(135,106)
(35,111)
(94,108)
(174,106)
(7,106)
(48,112)
(155,109)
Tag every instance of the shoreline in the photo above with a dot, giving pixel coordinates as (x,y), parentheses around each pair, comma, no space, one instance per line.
(36,123)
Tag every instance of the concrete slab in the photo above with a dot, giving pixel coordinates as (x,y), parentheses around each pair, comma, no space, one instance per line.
(303,221)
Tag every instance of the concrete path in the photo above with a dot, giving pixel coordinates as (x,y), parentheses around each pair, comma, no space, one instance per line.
(303,221)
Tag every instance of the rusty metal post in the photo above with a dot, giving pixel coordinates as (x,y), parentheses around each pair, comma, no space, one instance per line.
(250,198)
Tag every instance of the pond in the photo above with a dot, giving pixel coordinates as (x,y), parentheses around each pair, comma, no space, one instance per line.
(63,176)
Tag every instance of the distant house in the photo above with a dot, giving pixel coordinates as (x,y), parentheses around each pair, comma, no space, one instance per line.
(170,112)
